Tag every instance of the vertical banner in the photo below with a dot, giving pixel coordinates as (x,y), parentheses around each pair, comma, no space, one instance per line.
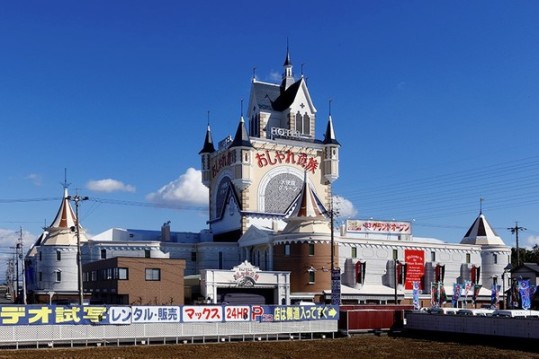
(336,287)
(494,295)
(415,267)
(524,291)
(434,294)
(415,295)
(515,295)
(476,289)
(467,287)
(456,294)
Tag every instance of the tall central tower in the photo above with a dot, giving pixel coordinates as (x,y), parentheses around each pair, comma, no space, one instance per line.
(255,177)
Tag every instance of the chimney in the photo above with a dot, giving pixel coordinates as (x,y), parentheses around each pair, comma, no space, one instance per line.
(165,232)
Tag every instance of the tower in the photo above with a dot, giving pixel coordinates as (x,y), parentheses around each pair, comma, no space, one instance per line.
(255,176)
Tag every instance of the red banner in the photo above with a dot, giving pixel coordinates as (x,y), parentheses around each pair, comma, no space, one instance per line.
(415,260)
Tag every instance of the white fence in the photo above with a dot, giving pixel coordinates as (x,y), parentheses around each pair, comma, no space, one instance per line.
(27,326)
(164,333)
(522,328)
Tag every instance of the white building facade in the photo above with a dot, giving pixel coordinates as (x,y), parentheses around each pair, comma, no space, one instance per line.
(270,200)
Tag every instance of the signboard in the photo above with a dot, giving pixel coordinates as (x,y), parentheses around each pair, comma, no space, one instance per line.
(126,315)
(202,313)
(415,267)
(336,287)
(50,314)
(372,226)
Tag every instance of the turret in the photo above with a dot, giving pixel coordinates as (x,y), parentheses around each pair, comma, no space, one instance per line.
(288,77)
(205,154)
(241,164)
(331,153)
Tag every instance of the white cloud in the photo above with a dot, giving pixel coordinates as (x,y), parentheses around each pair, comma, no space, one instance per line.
(275,76)
(344,208)
(34,178)
(8,241)
(531,241)
(109,185)
(185,190)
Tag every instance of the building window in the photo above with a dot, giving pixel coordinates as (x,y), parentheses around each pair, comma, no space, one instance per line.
(93,276)
(103,254)
(40,276)
(220,260)
(147,253)
(311,249)
(433,256)
(312,277)
(354,252)
(40,256)
(287,249)
(193,256)
(395,254)
(109,273)
(58,276)
(303,124)
(495,258)
(153,274)
(468,258)
(58,255)
(122,274)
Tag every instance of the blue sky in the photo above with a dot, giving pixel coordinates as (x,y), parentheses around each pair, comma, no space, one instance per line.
(435,105)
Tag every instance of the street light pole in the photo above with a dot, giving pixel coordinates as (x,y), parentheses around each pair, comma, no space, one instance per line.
(78,199)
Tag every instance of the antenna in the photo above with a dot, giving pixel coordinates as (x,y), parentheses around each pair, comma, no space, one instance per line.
(481,205)
(241,107)
(254,73)
(330,100)
(208,118)
(65,184)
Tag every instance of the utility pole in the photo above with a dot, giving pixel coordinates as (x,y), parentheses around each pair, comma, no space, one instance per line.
(19,254)
(78,199)
(514,230)
(335,272)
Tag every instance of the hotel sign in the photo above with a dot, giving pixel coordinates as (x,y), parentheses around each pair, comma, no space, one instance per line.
(272,158)
(246,275)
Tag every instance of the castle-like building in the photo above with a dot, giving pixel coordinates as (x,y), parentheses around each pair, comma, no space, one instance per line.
(270,237)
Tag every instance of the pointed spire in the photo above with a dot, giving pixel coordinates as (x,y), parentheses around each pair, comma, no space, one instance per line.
(288,77)
(65,218)
(329,137)
(208,141)
(287,61)
(241,139)
(307,206)
(481,233)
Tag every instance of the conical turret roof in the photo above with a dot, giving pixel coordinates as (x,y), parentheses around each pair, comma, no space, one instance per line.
(62,229)
(308,215)
(329,136)
(481,233)
(208,143)
(241,139)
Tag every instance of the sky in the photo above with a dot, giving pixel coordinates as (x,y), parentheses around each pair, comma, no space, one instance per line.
(435,105)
